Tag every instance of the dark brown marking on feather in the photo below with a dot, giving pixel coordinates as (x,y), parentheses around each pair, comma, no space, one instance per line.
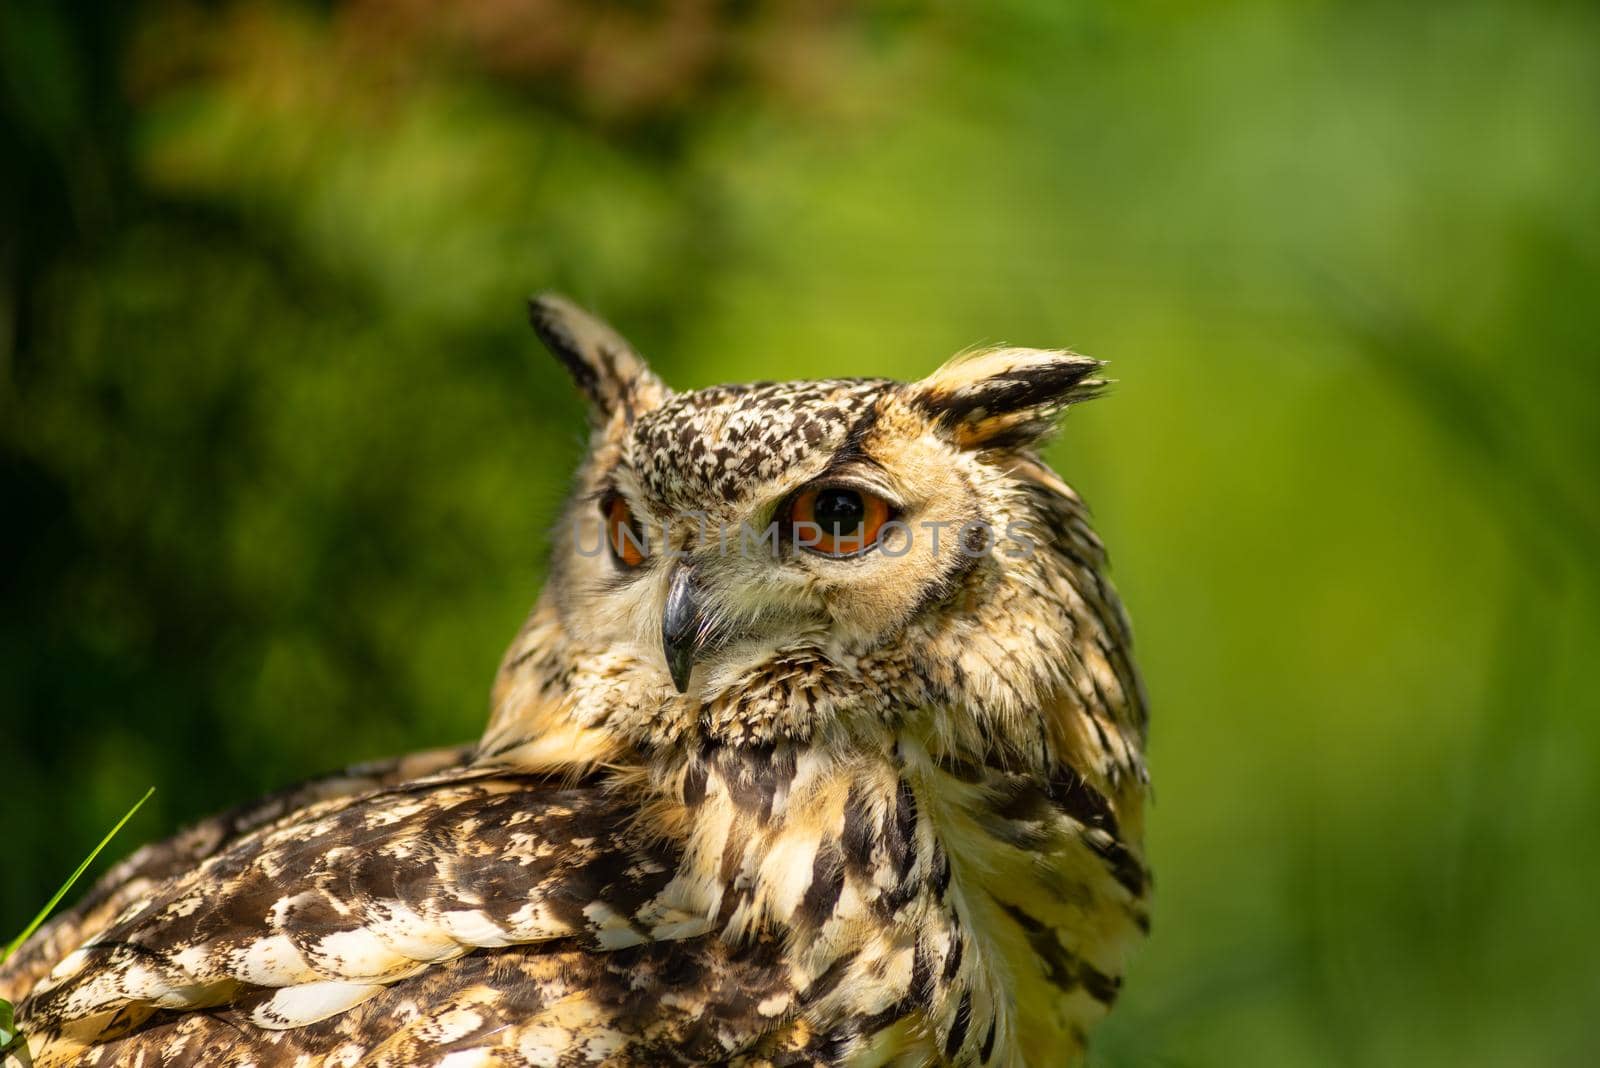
(827,1048)
(871,1024)
(1019,813)
(1073,795)
(941,870)
(1102,987)
(1121,862)
(1018,798)
(628,388)
(827,883)
(966,771)
(987,1049)
(896,897)
(1061,968)
(952,960)
(832,976)
(857,837)
(958,1029)
(694,782)
(556,333)
(1039,386)
(853,448)
(756,776)
(903,852)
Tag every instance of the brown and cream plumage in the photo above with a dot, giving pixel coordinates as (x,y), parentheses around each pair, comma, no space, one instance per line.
(781,800)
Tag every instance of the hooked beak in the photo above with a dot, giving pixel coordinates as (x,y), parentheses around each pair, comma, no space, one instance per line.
(680,625)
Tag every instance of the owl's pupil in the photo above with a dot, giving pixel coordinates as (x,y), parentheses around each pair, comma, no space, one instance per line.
(839,511)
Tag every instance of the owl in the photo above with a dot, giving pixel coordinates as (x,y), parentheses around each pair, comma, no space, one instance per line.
(823,745)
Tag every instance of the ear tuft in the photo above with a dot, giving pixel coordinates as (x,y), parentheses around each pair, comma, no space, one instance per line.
(605,367)
(1005,397)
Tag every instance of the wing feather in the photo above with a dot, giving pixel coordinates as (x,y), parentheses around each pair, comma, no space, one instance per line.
(133,879)
(308,917)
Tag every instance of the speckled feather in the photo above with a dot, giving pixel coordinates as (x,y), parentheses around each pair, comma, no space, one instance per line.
(895,817)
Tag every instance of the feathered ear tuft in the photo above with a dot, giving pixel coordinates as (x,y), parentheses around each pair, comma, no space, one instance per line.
(1005,397)
(610,373)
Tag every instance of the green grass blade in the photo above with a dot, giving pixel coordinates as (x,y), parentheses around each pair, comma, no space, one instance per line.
(50,905)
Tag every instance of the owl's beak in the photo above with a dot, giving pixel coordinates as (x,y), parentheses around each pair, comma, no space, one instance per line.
(680,625)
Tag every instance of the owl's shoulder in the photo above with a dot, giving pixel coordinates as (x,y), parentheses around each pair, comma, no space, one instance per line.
(321,909)
(151,866)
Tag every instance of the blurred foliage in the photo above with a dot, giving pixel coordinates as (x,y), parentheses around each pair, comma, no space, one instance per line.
(279,454)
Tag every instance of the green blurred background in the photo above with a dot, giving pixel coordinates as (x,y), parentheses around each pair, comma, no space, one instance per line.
(278,454)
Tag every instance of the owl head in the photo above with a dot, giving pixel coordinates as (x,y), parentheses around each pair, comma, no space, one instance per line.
(779,557)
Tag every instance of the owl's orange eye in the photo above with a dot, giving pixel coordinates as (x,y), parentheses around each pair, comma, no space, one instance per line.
(837,521)
(622,533)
